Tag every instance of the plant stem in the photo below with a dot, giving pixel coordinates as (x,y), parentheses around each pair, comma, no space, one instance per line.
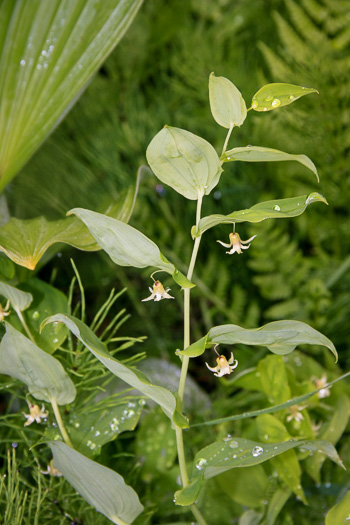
(227,138)
(60,422)
(25,326)
(197,514)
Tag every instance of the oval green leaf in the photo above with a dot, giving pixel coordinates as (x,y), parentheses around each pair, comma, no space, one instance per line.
(43,374)
(273,96)
(184,161)
(131,376)
(276,209)
(49,51)
(189,494)
(226,102)
(239,452)
(100,486)
(19,300)
(259,154)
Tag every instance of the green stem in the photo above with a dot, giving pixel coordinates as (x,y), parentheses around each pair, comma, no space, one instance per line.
(227,138)
(25,326)
(60,422)
(197,514)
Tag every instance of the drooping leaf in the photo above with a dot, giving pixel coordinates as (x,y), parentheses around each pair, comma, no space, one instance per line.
(19,300)
(239,452)
(259,154)
(100,486)
(49,51)
(226,102)
(43,374)
(125,245)
(273,96)
(339,514)
(280,337)
(131,376)
(276,209)
(184,161)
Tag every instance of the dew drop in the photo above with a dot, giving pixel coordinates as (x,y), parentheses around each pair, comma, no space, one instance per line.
(276,207)
(201,463)
(35,315)
(275,103)
(257,451)
(291,97)
(22,62)
(227,438)
(55,341)
(268,98)
(234,444)
(255,104)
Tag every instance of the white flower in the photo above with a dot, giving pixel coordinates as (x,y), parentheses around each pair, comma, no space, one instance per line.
(295,413)
(223,366)
(236,244)
(35,414)
(320,383)
(5,311)
(158,292)
(51,470)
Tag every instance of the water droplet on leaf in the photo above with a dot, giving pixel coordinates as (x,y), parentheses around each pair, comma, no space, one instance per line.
(257,451)
(201,463)
(276,207)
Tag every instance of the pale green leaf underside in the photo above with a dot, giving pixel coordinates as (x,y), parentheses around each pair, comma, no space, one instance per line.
(131,376)
(49,50)
(18,300)
(43,374)
(226,102)
(238,452)
(270,410)
(276,209)
(125,245)
(280,337)
(273,96)
(184,161)
(260,154)
(100,486)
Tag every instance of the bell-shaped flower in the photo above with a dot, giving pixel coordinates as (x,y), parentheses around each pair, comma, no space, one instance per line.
(320,383)
(295,413)
(35,414)
(4,311)
(51,470)
(236,244)
(223,366)
(158,292)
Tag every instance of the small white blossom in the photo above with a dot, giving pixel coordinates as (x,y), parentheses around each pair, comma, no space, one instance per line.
(35,414)
(5,311)
(158,292)
(320,383)
(51,470)
(223,366)
(295,413)
(236,244)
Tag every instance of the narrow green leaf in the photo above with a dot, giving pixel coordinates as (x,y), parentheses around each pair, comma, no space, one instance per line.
(131,376)
(19,300)
(189,494)
(340,513)
(280,337)
(259,154)
(238,452)
(100,486)
(49,51)
(273,96)
(276,209)
(277,502)
(43,374)
(270,410)
(184,161)
(226,102)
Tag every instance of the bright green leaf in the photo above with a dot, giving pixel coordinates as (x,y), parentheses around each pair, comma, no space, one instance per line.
(259,154)
(340,513)
(276,209)
(100,486)
(238,452)
(49,51)
(43,374)
(189,494)
(247,486)
(18,300)
(273,377)
(131,376)
(273,96)
(226,102)
(184,161)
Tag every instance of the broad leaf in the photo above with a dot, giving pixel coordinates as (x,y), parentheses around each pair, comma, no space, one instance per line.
(280,337)
(125,245)
(226,102)
(339,514)
(259,154)
(273,96)
(276,209)
(49,51)
(184,161)
(274,380)
(238,452)
(19,300)
(100,486)
(43,374)
(189,494)
(131,376)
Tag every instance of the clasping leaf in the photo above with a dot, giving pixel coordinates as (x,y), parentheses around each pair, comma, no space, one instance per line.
(226,102)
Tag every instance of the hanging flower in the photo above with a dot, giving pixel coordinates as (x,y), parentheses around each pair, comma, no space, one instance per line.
(223,366)
(158,292)
(295,413)
(5,311)
(320,383)
(35,414)
(236,244)
(51,470)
